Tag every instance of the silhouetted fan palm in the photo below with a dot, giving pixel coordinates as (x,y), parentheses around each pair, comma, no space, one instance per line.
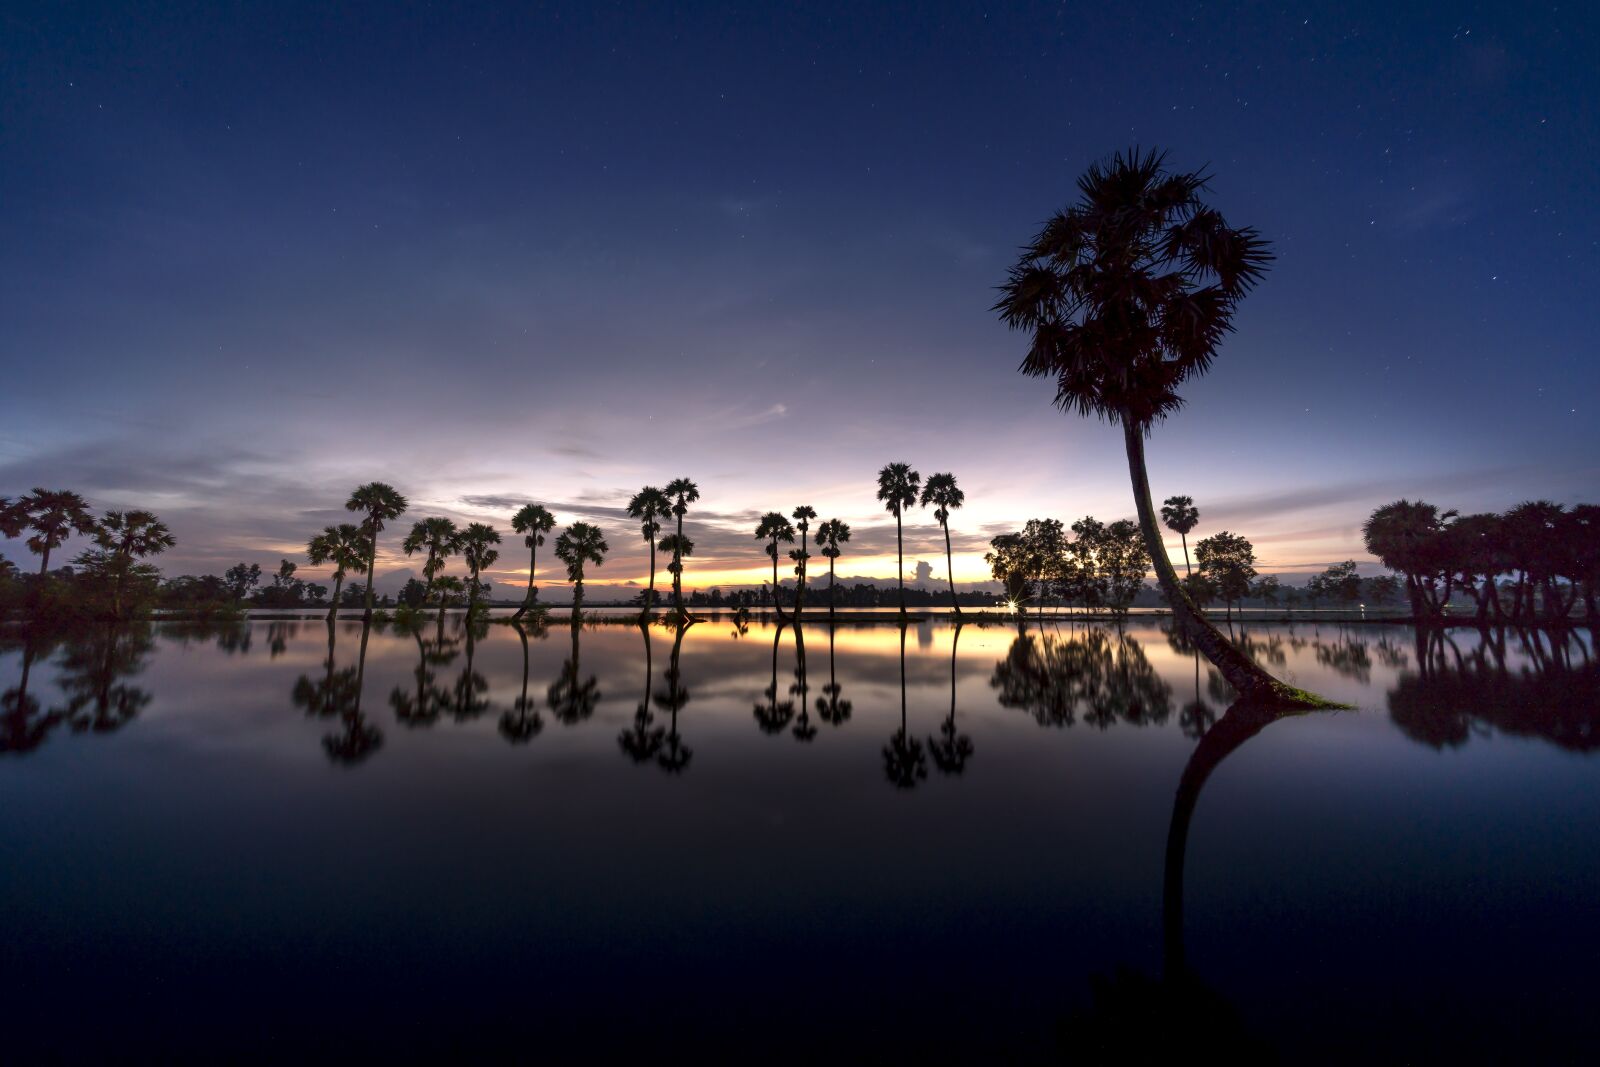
(800,690)
(1181,516)
(532,521)
(94,673)
(774,715)
(942,492)
(674,756)
(578,545)
(380,503)
(124,537)
(830,535)
(683,493)
(1127,295)
(1405,535)
(681,549)
(644,738)
(53,515)
(345,548)
(479,554)
(802,522)
(649,506)
(904,763)
(897,488)
(440,538)
(572,698)
(951,749)
(831,708)
(521,722)
(774,528)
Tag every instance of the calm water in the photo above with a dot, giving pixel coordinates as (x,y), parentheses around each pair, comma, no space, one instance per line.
(252,843)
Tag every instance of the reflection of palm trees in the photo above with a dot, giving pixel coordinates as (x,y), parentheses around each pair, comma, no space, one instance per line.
(571,697)
(424,706)
(833,710)
(23,724)
(521,723)
(803,728)
(467,699)
(91,676)
(773,716)
(643,739)
(904,763)
(1057,680)
(359,737)
(675,755)
(951,750)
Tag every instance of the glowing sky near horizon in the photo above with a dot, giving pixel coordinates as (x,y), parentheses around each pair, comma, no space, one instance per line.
(251,258)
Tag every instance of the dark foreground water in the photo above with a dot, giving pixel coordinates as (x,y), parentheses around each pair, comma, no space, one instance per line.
(257,844)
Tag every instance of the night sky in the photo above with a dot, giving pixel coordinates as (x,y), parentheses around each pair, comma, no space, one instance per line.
(251,256)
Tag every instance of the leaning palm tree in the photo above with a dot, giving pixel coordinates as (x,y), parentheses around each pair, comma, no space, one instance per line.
(379,502)
(1180,516)
(942,492)
(53,515)
(897,488)
(1126,296)
(441,539)
(773,528)
(579,544)
(802,522)
(683,492)
(650,505)
(532,521)
(345,548)
(126,536)
(479,555)
(830,535)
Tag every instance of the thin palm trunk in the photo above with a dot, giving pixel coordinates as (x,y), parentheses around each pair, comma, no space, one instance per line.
(950,569)
(1250,681)
(650,594)
(338,588)
(800,583)
(372,570)
(1188,572)
(776,603)
(900,561)
(44,561)
(832,584)
(533,560)
(677,570)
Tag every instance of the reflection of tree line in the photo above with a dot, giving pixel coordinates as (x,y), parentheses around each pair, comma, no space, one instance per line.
(93,676)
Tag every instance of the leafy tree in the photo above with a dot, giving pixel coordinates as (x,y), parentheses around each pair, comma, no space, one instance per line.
(1383,590)
(477,551)
(1181,516)
(1339,583)
(1266,589)
(342,546)
(1228,562)
(942,492)
(440,538)
(683,493)
(1409,537)
(241,578)
(533,521)
(124,537)
(53,515)
(380,503)
(1011,566)
(773,528)
(830,535)
(1126,296)
(580,544)
(649,506)
(897,488)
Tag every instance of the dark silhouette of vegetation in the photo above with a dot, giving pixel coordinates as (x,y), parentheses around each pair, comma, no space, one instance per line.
(774,715)
(830,535)
(338,695)
(1126,296)
(904,762)
(674,756)
(533,521)
(802,516)
(897,488)
(649,506)
(572,698)
(942,492)
(52,516)
(832,708)
(423,706)
(341,546)
(379,503)
(123,539)
(951,749)
(521,723)
(683,493)
(1181,516)
(774,528)
(643,740)
(578,545)
(440,538)
(1090,675)
(800,691)
(1227,560)
(479,555)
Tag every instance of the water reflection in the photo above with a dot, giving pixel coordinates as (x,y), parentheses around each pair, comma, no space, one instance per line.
(572,697)
(951,749)
(522,723)
(1101,677)
(904,763)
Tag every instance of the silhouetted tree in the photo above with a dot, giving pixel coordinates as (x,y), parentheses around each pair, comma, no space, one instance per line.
(124,538)
(342,546)
(479,555)
(951,749)
(1228,562)
(572,697)
(683,493)
(897,488)
(644,738)
(802,522)
(800,690)
(649,506)
(674,756)
(831,707)
(380,503)
(1408,537)
(904,763)
(773,716)
(521,722)
(773,528)
(580,544)
(830,535)
(1180,516)
(53,515)
(533,521)
(942,492)
(440,539)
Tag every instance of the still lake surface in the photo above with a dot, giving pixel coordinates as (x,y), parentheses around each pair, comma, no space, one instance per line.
(254,843)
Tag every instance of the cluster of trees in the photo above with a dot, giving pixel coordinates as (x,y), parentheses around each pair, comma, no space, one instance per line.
(1533,562)
(1101,565)
(111,578)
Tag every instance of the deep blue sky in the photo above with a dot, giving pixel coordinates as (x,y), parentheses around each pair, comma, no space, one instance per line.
(253,254)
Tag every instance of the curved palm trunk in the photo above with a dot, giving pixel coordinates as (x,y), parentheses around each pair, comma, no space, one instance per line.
(372,569)
(1188,572)
(1250,681)
(800,584)
(527,598)
(650,593)
(950,569)
(776,603)
(338,589)
(44,560)
(900,561)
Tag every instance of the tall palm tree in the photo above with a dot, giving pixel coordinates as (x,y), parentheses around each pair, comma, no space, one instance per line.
(126,536)
(1126,295)
(344,547)
(897,488)
(479,555)
(773,528)
(441,539)
(650,505)
(802,522)
(683,492)
(53,515)
(681,549)
(830,535)
(942,492)
(533,521)
(1180,516)
(579,544)
(379,502)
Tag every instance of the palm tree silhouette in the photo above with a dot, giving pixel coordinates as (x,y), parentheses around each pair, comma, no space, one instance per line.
(1127,295)
(53,515)
(683,493)
(533,521)
(13,517)
(951,749)
(650,505)
(773,716)
(802,521)
(830,707)
(681,548)
(800,690)
(360,738)
(344,547)
(522,723)
(897,488)
(644,738)
(1180,516)
(675,755)
(476,552)
(379,502)
(579,544)
(773,528)
(442,540)
(942,492)
(126,536)
(1405,536)
(830,535)
(904,763)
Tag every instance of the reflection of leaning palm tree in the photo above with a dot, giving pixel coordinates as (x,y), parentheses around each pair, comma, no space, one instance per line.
(359,737)
(831,708)
(641,741)
(951,749)
(572,697)
(23,724)
(675,755)
(904,763)
(423,707)
(774,715)
(803,728)
(521,722)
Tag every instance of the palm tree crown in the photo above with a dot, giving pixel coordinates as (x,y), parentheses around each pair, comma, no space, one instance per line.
(650,505)
(133,534)
(477,551)
(379,502)
(344,547)
(53,515)
(897,488)
(682,492)
(533,521)
(1179,514)
(830,535)
(772,528)
(579,544)
(440,538)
